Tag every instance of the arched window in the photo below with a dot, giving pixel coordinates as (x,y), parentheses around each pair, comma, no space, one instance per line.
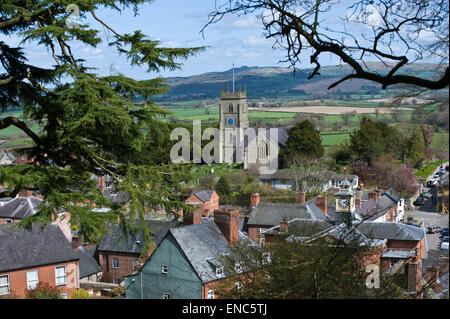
(262,150)
(230,108)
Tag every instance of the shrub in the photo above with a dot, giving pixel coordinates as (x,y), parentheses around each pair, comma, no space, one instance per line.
(43,291)
(80,294)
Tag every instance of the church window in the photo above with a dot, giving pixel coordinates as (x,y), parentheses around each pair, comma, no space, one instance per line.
(230,108)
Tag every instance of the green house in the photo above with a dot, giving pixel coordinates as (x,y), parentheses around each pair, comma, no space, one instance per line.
(185,264)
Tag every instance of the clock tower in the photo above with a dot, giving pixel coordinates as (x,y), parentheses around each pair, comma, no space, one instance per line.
(233,121)
(345,204)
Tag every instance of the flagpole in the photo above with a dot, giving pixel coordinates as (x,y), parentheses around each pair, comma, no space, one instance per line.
(233,76)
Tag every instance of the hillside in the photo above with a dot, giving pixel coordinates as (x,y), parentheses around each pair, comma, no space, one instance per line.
(273,82)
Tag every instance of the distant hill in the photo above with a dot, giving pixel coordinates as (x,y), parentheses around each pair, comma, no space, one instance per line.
(272,82)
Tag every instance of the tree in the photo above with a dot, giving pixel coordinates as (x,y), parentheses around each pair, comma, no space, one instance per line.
(89,123)
(372,139)
(310,174)
(222,186)
(395,28)
(304,140)
(416,149)
(347,116)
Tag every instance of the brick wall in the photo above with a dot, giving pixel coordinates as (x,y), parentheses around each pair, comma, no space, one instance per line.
(126,262)
(254,232)
(18,278)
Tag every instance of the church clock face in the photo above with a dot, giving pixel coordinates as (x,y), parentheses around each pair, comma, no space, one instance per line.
(344,202)
(230,121)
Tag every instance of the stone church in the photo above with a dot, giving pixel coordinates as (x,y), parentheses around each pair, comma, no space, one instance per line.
(241,144)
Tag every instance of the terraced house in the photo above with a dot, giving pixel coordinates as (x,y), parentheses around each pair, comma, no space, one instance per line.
(33,256)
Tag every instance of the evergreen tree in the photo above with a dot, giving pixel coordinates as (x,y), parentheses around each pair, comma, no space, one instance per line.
(372,139)
(90,123)
(304,140)
(416,149)
(222,186)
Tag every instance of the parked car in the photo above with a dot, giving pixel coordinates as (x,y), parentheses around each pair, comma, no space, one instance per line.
(426,193)
(444,246)
(436,175)
(419,201)
(444,231)
(434,229)
(445,239)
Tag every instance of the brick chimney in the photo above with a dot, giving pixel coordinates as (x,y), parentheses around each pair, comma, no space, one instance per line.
(414,279)
(228,223)
(25,193)
(101,183)
(300,198)
(254,200)
(358,201)
(373,195)
(284,226)
(321,202)
(192,218)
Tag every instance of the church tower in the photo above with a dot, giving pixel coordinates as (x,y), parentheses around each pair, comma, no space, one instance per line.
(233,121)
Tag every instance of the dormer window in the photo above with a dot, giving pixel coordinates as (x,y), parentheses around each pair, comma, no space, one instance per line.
(238,268)
(219,271)
(266,258)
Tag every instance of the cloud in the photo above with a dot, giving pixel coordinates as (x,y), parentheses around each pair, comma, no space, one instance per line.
(254,41)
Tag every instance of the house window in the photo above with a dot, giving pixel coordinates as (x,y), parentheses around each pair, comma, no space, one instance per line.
(262,241)
(60,273)
(164,269)
(32,279)
(265,258)
(219,271)
(115,263)
(116,281)
(261,230)
(210,294)
(4,285)
(9,221)
(165,295)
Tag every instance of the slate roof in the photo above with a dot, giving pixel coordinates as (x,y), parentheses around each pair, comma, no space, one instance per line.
(21,248)
(302,227)
(113,240)
(316,212)
(20,207)
(389,230)
(398,253)
(88,263)
(371,210)
(282,134)
(202,244)
(6,158)
(349,235)
(270,214)
(204,195)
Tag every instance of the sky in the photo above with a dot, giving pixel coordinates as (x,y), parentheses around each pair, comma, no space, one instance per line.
(177,23)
